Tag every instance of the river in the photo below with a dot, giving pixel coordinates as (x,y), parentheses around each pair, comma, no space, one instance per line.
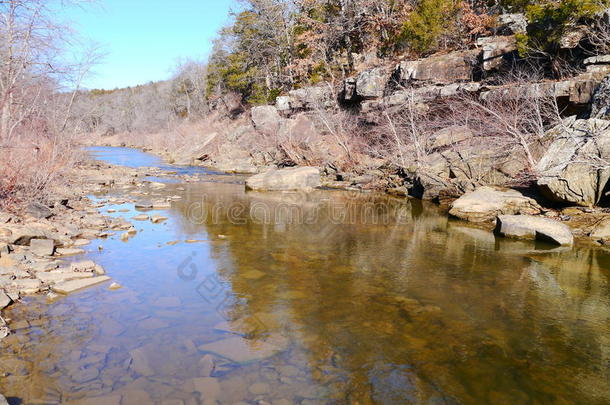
(328,297)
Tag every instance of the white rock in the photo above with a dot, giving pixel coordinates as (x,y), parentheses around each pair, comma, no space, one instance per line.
(486,203)
(531,227)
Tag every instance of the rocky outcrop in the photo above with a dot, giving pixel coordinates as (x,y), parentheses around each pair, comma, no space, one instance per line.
(306,99)
(576,91)
(300,129)
(574,168)
(512,23)
(294,178)
(266,119)
(531,227)
(371,83)
(495,49)
(486,203)
(441,69)
(600,104)
(597,64)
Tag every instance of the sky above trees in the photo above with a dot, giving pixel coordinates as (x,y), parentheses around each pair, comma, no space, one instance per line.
(143,39)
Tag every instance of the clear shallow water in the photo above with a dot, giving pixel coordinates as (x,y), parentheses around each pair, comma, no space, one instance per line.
(135,158)
(321,298)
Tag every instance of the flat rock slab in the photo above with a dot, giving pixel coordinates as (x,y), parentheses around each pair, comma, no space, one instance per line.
(75,285)
(59,277)
(294,178)
(240,350)
(532,227)
(69,252)
(486,203)
(42,247)
(141,217)
(25,286)
(83,265)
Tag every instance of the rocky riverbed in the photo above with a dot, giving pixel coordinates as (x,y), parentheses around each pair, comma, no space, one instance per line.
(227,296)
(43,245)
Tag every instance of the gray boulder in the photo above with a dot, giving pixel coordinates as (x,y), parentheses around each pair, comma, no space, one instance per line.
(574,168)
(442,69)
(311,98)
(495,48)
(372,83)
(301,129)
(266,119)
(531,227)
(512,23)
(38,210)
(486,203)
(294,178)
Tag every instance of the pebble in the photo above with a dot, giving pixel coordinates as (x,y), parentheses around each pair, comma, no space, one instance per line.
(259,388)
(115,286)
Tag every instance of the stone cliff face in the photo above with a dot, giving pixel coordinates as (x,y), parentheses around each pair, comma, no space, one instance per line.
(324,126)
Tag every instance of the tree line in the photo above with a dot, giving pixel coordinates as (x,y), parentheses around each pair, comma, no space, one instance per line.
(272,46)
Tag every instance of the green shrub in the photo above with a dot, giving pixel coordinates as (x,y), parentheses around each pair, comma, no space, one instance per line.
(429,23)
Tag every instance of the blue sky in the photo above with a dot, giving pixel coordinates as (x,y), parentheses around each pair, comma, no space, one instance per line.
(143,39)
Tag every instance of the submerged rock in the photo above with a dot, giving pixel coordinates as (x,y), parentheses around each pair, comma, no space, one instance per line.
(531,227)
(486,203)
(75,285)
(294,178)
(240,350)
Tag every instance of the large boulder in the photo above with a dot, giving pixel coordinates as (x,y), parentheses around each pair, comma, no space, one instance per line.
(574,168)
(372,83)
(495,48)
(442,69)
(486,203)
(294,178)
(531,227)
(39,211)
(300,129)
(512,23)
(311,98)
(266,119)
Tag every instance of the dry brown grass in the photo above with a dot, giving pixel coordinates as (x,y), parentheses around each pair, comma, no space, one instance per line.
(31,167)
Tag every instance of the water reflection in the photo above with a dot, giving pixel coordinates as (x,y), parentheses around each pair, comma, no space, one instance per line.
(326,297)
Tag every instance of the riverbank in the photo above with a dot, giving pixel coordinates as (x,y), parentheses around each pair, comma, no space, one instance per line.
(589,225)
